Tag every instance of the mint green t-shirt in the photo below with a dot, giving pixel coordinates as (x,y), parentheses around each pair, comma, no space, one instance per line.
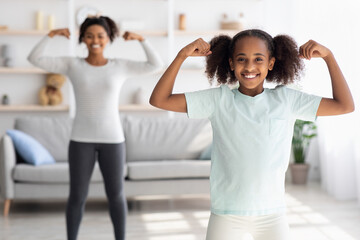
(251,145)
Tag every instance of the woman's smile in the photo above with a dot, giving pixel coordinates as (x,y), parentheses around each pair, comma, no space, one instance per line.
(95,46)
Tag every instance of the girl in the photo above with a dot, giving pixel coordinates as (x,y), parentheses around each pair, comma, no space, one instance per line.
(252,125)
(97,130)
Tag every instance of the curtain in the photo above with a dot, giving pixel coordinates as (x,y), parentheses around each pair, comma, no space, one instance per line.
(335,25)
(339,156)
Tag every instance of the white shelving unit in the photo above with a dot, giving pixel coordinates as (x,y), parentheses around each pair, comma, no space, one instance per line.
(14,33)
(203,33)
(170,34)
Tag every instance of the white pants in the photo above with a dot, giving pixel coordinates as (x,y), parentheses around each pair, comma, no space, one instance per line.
(231,227)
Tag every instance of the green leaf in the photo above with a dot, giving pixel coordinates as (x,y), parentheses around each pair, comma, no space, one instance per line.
(304,131)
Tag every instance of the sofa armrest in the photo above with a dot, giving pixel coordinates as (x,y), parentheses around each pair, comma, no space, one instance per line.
(7,164)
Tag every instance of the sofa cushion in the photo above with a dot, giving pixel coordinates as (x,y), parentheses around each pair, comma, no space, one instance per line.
(29,148)
(55,173)
(162,138)
(152,170)
(53,133)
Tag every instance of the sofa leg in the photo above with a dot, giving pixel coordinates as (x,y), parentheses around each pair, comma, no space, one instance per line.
(7,207)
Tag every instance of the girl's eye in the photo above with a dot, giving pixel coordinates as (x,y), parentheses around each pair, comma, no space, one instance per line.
(241,59)
(259,59)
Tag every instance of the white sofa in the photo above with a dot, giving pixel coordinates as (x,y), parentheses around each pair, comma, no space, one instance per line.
(162,158)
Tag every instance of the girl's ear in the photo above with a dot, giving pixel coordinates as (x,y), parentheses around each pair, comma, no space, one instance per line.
(271,63)
(231,64)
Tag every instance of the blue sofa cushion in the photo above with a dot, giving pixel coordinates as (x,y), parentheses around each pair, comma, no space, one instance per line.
(29,148)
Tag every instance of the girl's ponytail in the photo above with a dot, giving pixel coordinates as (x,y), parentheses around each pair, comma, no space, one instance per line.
(217,63)
(288,65)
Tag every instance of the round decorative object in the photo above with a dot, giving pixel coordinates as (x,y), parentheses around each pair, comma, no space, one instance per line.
(84,12)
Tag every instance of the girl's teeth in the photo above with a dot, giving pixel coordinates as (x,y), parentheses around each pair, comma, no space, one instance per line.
(250,76)
(95,46)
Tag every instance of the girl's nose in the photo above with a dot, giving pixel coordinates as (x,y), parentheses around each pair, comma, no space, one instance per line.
(249,66)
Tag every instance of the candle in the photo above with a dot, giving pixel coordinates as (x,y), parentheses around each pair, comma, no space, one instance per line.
(39,21)
(51,22)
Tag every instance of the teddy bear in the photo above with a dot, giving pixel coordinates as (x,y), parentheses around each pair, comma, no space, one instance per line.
(51,94)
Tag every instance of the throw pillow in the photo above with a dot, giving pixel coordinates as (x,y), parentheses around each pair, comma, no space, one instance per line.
(206,154)
(30,149)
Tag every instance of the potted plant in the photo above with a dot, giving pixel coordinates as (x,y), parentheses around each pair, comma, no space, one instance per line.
(304,131)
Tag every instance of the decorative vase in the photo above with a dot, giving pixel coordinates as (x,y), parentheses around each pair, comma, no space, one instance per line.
(8,54)
(9,62)
(8,51)
(299,173)
(182,22)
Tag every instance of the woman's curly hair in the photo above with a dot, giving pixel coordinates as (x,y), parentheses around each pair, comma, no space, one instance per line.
(107,23)
(287,68)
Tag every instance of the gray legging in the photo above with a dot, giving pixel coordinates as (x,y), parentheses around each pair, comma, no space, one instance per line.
(82,157)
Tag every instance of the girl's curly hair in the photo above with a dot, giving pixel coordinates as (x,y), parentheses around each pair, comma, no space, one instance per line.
(287,68)
(107,23)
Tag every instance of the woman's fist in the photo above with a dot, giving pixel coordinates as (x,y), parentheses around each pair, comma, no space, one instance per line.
(132,36)
(61,32)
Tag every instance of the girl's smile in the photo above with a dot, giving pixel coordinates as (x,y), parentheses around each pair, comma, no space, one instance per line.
(250,75)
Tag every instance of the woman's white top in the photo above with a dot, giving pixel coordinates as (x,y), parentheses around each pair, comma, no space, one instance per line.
(96,89)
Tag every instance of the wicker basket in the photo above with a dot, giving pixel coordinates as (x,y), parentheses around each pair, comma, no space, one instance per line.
(231,25)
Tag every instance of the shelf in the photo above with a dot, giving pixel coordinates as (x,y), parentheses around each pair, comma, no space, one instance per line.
(138,107)
(24,32)
(152,33)
(65,108)
(18,70)
(156,33)
(33,108)
(209,32)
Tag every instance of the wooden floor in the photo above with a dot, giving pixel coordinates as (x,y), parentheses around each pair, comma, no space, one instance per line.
(312,214)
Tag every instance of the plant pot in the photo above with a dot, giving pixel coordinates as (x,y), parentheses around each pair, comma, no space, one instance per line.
(299,173)
(5,100)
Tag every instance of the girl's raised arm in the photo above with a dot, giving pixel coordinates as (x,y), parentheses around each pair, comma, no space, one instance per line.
(342,101)
(162,95)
